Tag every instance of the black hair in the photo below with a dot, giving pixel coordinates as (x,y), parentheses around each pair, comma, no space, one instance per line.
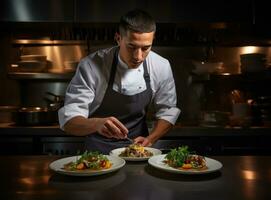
(137,21)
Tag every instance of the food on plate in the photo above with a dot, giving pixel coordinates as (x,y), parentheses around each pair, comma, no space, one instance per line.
(135,151)
(182,158)
(89,161)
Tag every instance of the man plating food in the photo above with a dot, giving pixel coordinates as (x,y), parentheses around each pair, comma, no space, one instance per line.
(108,97)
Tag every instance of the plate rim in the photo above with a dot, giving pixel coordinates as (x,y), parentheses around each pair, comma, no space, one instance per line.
(177,171)
(86,173)
(159,152)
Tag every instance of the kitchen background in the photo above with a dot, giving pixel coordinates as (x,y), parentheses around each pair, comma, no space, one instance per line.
(203,41)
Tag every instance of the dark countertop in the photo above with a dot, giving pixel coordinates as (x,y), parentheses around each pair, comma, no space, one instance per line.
(178,131)
(242,177)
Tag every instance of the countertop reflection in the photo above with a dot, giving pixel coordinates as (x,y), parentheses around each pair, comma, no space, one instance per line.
(242,177)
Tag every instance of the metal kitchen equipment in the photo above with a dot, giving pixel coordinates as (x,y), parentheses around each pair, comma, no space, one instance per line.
(55,103)
(31,116)
(6,113)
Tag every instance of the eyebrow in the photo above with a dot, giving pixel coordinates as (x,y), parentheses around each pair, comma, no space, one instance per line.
(147,46)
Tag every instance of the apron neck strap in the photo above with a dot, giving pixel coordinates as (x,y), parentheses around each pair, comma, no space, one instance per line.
(114,67)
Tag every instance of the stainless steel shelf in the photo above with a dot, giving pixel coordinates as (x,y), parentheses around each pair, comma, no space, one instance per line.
(49,42)
(34,75)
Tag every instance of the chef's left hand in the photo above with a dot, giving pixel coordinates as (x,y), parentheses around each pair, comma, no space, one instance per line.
(144,141)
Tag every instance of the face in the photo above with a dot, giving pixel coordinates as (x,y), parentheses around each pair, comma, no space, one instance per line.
(134,47)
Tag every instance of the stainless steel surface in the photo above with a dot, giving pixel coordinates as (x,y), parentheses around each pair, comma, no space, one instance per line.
(44,76)
(242,177)
(33,57)
(56,54)
(47,42)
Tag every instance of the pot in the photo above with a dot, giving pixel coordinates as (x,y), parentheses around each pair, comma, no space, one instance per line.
(31,116)
(6,115)
(54,102)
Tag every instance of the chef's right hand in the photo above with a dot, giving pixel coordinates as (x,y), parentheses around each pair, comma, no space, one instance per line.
(111,127)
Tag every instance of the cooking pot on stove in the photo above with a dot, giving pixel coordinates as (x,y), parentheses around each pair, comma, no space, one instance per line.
(31,116)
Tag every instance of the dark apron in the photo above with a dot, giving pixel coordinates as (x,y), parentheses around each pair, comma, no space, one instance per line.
(130,110)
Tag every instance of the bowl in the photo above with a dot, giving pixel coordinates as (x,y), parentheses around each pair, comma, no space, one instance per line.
(32,66)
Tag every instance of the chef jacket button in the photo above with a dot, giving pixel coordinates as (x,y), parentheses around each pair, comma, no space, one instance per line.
(139,87)
(139,70)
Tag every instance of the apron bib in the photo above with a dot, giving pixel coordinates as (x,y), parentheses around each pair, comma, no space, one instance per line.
(130,110)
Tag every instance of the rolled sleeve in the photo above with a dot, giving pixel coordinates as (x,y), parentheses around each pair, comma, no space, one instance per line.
(165,98)
(168,114)
(79,95)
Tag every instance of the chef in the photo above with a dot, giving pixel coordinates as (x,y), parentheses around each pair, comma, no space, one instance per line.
(112,89)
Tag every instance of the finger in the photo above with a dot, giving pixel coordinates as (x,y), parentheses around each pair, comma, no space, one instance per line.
(114,130)
(139,139)
(121,127)
(146,142)
(105,132)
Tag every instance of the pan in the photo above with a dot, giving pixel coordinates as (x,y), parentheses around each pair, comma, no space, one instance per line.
(31,116)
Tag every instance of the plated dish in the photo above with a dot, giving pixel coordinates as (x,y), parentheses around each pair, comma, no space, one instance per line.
(89,161)
(87,165)
(135,152)
(158,162)
(181,160)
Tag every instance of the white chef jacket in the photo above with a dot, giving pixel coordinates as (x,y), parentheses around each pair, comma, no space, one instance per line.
(88,86)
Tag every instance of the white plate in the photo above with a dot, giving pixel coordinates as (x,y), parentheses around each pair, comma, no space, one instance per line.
(157,162)
(117,152)
(57,166)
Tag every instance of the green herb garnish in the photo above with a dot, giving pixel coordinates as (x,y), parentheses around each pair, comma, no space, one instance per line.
(177,157)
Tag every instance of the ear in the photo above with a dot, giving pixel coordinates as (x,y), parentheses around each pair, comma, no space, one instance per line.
(117,38)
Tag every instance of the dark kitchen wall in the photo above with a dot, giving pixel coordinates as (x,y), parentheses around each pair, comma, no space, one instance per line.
(9,94)
(165,11)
